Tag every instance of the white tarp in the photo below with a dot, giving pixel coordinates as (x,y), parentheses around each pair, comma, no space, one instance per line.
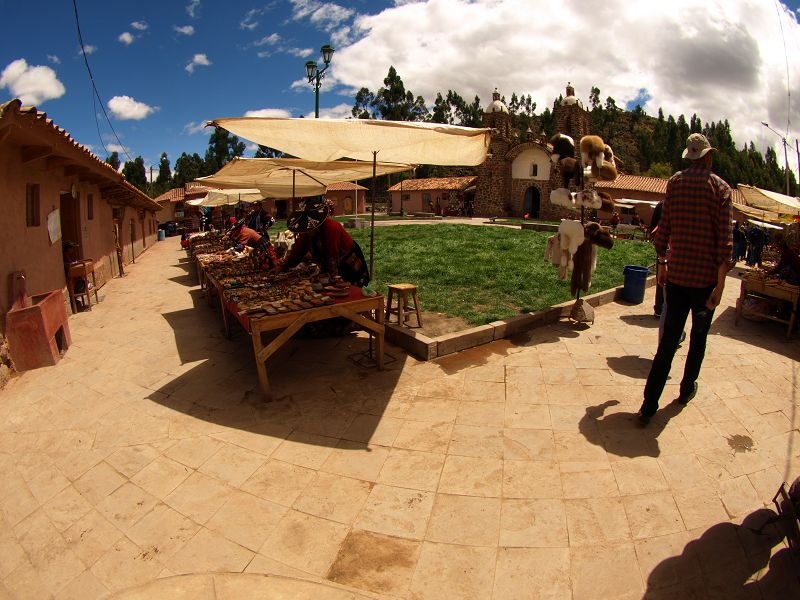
(228,196)
(764,224)
(767,200)
(398,142)
(277,177)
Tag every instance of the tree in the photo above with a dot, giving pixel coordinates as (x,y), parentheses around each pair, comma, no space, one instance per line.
(442,112)
(265,152)
(188,168)
(365,100)
(594,98)
(223,146)
(135,174)
(164,180)
(113,160)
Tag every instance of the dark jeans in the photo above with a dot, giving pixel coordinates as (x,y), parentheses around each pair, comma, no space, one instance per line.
(681,300)
(659,305)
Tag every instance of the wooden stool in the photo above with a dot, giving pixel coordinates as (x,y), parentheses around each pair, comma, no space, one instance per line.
(81,270)
(402,290)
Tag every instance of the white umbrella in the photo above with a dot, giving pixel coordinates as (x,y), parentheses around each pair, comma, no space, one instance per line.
(224,197)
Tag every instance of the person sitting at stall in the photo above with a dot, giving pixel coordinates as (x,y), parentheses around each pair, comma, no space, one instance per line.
(69,251)
(260,219)
(331,247)
(244,236)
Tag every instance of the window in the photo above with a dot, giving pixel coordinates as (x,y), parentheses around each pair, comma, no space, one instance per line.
(32,204)
(534,169)
(90,206)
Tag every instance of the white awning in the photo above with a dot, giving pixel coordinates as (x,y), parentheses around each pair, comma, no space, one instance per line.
(394,141)
(278,177)
(632,201)
(763,224)
(228,197)
(767,200)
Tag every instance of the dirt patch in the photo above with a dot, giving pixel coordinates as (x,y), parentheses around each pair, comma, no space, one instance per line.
(435,324)
(375,562)
(6,367)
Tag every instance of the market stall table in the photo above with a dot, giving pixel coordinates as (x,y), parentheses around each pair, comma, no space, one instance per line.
(353,307)
(772,290)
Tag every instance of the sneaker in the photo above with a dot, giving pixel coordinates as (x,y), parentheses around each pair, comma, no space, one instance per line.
(684,398)
(643,419)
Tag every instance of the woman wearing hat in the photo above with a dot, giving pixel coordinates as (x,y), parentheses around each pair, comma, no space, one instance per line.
(331,247)
(244,236)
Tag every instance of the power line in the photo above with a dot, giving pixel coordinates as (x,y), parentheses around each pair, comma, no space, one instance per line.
(786,56)
(94,87)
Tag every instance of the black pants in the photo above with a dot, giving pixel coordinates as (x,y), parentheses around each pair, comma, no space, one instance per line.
(681,300)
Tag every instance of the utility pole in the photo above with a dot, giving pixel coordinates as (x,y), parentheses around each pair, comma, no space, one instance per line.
(151,182)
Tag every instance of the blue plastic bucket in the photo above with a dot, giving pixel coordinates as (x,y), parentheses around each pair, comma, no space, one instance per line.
(635,279)
(162,235)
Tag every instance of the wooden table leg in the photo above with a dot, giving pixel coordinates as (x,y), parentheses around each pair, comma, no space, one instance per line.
(793,318)
(379,337)
(261,367)
(389,305)
(224,309)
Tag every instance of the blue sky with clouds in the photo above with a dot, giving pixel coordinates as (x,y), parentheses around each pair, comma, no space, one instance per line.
(163,68)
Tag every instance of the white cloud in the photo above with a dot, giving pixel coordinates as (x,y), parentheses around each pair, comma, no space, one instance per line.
(340,111)
(126,38)
(251,147)
(88,49)
(192,8)
(191,127)
(301,52)
(185,30)
(270,40)
(264,54)
(126,108)
(326,15)
(197,60)
(31,84)
(140,25)
(720,60)
(249,20)
(268,112)
(117,148)
(54,59)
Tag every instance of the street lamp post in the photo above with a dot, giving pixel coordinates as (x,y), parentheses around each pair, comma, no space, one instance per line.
(316,74)
(785,153)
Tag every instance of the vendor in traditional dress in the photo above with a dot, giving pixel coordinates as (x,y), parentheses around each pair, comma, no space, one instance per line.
(331,247)
(244,236)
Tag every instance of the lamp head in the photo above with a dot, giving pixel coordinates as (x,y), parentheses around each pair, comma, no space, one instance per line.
(765,124)
(311,69)
(327,53)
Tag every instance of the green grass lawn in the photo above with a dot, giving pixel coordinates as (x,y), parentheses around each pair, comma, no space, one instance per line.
(483,274)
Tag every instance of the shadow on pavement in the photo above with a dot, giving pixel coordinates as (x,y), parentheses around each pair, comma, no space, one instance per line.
(632,366)
(320,394)
(619,433)
(647,321)
(731,561)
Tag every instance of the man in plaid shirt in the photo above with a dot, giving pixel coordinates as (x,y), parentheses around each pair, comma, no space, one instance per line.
(693,242)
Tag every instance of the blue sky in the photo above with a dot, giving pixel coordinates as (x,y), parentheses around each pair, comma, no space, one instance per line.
(163,68)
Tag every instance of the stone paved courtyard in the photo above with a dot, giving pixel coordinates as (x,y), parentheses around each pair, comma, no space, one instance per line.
(145,464)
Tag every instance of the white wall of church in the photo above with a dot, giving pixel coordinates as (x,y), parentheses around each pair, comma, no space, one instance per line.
(531,164)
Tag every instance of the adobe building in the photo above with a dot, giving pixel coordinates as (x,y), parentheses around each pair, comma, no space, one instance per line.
(438,195)
(516,178)
(53,190)
(348,198)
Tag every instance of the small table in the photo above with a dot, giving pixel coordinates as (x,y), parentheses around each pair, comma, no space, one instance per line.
(350,307)
(773,291)
(81,269)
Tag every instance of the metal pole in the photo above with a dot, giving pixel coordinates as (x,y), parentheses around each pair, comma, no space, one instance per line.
(316,93)
(372,224)
(786,158)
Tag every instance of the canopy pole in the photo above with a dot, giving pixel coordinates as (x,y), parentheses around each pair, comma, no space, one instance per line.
(294,174)
(372,223)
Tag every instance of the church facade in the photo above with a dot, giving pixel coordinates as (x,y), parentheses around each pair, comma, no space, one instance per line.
(517,176)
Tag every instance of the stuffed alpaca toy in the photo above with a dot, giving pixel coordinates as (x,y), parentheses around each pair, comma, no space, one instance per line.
(607,202)
(585,259)
(562,197)
(592,148)
(571,235)
(552,250)
(564,156)
(588,199)
(607,172)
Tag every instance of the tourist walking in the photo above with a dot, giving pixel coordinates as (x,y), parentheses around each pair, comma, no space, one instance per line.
(696,227)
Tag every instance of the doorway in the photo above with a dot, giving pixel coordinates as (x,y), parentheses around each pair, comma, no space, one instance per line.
(71,220)
(532,204)
(280,209)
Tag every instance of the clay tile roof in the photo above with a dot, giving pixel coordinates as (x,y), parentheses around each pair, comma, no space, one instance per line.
(131,194)
(636,183)
(345,186)
(436,183)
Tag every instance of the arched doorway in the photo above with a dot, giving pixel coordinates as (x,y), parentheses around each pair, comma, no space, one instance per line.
(532,203)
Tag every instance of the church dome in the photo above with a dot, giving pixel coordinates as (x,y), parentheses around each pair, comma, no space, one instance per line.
(496,105)
(570,99)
